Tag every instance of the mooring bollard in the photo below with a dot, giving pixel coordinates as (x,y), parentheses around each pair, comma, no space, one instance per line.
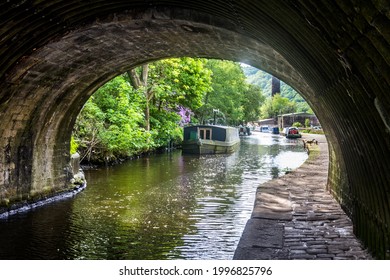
(75,163)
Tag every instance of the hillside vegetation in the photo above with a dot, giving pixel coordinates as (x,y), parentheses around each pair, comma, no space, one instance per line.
(263,80)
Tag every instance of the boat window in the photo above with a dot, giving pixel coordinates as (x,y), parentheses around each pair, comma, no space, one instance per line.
(205,133)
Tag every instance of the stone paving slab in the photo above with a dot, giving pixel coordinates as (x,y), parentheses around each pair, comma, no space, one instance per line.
(272,206)
(264,233)
(294,217)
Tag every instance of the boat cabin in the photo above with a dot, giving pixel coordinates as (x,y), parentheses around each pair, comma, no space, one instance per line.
(210,139)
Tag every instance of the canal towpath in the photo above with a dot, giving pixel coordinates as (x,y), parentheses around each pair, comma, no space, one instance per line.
(295,217)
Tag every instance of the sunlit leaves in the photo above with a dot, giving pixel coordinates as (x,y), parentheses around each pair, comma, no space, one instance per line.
(277,105)
(180,81)
(231,95)
(145,108)
(109,125)
(112,123)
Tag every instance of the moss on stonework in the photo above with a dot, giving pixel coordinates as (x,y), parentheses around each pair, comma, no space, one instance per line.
(5,202)
(314,152)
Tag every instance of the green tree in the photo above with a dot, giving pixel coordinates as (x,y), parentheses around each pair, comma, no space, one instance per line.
(252,101)
(307,122)
(228,83)
(297,124)
(139,111)
(165,86)
(108,127)
(121,120)
(172,82)
(277,105)
(180,81)
(263,79)
(139,81)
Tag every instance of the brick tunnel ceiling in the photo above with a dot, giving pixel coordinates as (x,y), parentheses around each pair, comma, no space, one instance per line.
(55,54)
(321,40)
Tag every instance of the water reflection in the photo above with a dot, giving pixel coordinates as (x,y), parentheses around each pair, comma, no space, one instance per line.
(162,207)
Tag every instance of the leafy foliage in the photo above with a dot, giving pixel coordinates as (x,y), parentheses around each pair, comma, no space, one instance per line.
(307,122)
(276,106)
(297,124)
(108,127)
(235,99)
(182,81)
(263,79)
(144,109)
(252,101)
(73,146)
(111,125)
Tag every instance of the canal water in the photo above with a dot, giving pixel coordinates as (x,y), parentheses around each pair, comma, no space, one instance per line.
(168,206)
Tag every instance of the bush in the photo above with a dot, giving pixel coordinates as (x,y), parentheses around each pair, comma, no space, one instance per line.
(297,124)
(73,146)
(313,131)
(307,122)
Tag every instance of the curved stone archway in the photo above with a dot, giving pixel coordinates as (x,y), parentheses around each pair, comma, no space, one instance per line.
(55,54)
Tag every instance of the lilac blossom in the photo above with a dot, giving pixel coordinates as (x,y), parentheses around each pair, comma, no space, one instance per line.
(185,115)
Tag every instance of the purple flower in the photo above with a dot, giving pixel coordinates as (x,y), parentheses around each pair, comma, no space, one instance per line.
(185,115)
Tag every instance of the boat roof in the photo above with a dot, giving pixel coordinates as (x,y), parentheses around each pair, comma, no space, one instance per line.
(209,125)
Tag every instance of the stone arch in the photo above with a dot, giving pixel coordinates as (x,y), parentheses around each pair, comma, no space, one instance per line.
(55,55)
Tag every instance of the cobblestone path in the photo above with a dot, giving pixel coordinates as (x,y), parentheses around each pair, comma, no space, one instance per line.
(294,217)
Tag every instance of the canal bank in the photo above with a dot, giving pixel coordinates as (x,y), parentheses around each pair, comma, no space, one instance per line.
(294,217)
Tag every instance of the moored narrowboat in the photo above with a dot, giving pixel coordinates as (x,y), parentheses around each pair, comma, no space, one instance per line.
(292,132)
(210,139)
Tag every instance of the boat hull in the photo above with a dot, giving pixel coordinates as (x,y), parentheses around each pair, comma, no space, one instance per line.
(204,147)
(292,136)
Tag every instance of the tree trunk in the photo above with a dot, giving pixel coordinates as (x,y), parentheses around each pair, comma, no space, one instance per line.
(147,117)
(141,81)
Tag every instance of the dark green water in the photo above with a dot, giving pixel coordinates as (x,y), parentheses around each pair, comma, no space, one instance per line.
(169,206)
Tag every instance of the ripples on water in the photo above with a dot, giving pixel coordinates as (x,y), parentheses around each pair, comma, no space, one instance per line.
(169,206)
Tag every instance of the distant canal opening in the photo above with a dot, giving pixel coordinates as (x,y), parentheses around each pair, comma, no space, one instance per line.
(169,206)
